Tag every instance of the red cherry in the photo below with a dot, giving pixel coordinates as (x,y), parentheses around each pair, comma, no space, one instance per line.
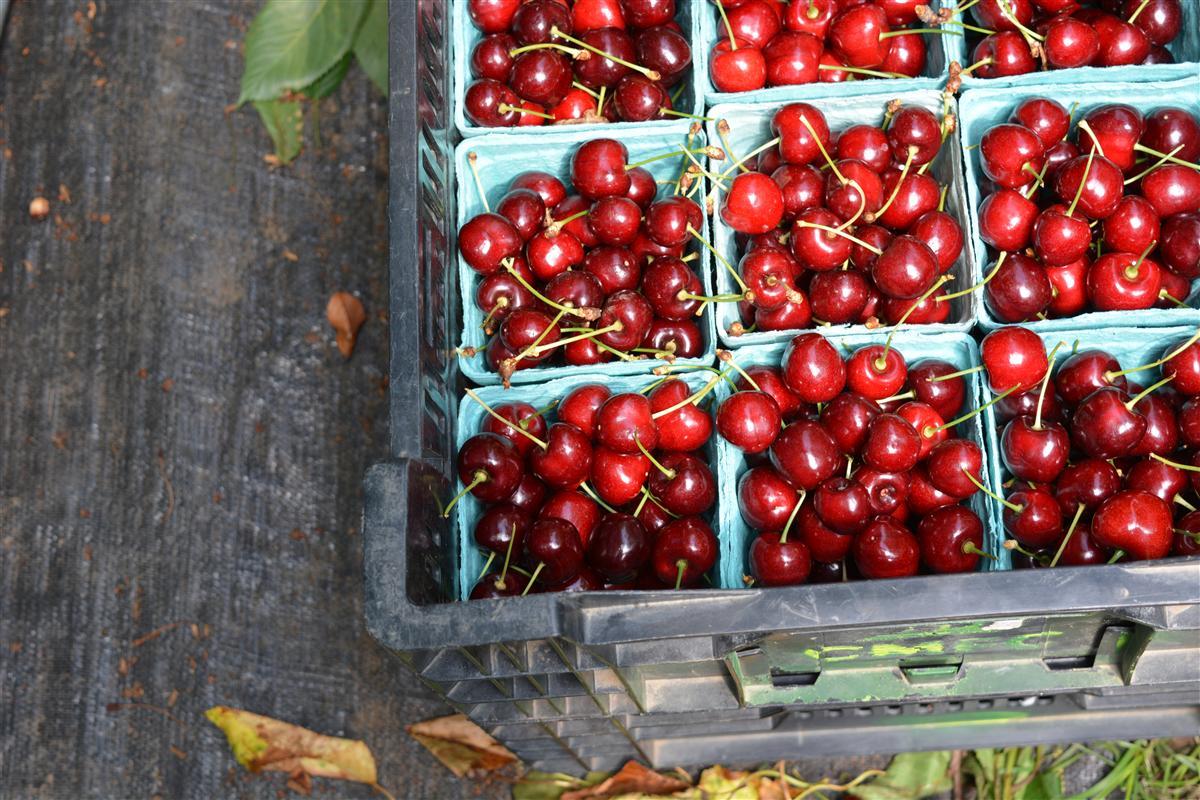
(598,169)
(906,269)
(950,538)
(818,248)
(753,204)
(1013,357)
(683,551)
(1089,481)
(1011,155)
(887,492)
(1103,185)
(553,544)
(567,460)
(765,498)
(798,144)
(945,396)
(1136,522)
(749,420)
(492,16)
(770,380)
(587,15)
(824,544)
(624,422)
(942,234)
(1046,118)
(846,419)
(1003,54)
(519,415)
(950,462)
(813,369)
(1070,43)
(1034,452)
(740,70)
(1118,281)
(686,428)
(486,240)
(1168,128)
(892,444)
(1184,370)
(923,497)
(914,131)
(491,465)
(500,524)
(875,373)
(1006,220)
(1019,289)
(1103,426)
(806,454)
(777,562)
(1036,521)
(574,507)
(1084,372)
(618,477)
(688,488)
(854,35)
(886,549)
(1173,189)
(842,504)
(1068,284)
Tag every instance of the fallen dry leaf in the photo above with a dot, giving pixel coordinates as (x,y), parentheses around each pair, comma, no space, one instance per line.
(39,208)
(261,743)
(461,745)
(632,778)
(345,313)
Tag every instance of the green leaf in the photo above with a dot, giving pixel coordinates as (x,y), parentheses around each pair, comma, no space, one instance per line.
(371,44)
(910,776)
(285,123)
(292,43)
(535,785)
(326,84)
(1046,785)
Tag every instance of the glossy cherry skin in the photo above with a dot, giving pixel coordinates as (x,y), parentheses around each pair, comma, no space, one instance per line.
(842,504)
(740,70)
(824,543)
(875,374)
(1089,481)
(618,547)
(1133,226)
(1046,118)
(1082,550)
(1060,238)
(942,234)
(816,248)
(770,380)
(923,497)
(887,492)
(1032,453)
(754,21)
(529,494)
(846,418)
(567,460)
(813,369)
(684,337)
(838,297)
(500,524)
(555,544)
(1013,357)
(892,444)
(945,396)
(1183,369)
(1117,281)
(492,16)
(665,51)
(906,269)
(1084,372)
(779,563)
(618,477)
(914,131)
(1003,15)
(494,459)
(866,143)
(798,145)
(1039,523)
(483,101)
(686,428)
(805,454)
(598,169)
(493,586)
(802,186)
(1189,422)
(1019,290)
(490,57)
(533,20)
(765,498)
(886,549)
(858,187)
(753,204)
(1011,154)
(690,489)
(1159,479)
(1103,185)
(634,314)
(1117,127)
(648,13)
(1104,427)
(1136,522)
(793,58)
(1162,429)
(576,508)
(499,294)
(486,240)
(687,541)
(769,275)
(1173,189)
(950,538)
(1168,128)
(587,15)
(523,327)
(519,415)
(1006,220)
(581,406)
(624,422)
(1004,53)
(749,420)
(1070,43)
(854,35)
(1121,44)
(950,462)
(1187,536)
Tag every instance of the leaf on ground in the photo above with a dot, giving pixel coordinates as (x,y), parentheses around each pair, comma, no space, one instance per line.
(346,315)
(910,776)
(534,785)
(1046,785)
(371,44)
(464,747)
(291,43)
(631,779)
(285,123)
(720,782)
(325,85)
(262,743)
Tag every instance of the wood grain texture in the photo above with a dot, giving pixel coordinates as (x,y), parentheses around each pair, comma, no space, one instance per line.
(180,441)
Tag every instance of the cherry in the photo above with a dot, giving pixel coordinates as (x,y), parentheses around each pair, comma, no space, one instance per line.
(671,288)
(1068,284)
(1120,43)
(846,418)
(932,386)
(892,444)
(1187,536)
(1103,185)
(687,487)
(1089,482)
(1003,15)
(684,550)
(1183,368)
(802,186)
(1006,220)
(637,99)
(906,269)
(581,406)
(803,132)
(1019,289)
(1003,54)
(1189,422)
(1014,358)
(866,143)
(951,539)
(858,189)
(770,380)
(685,428)
(1173,189)
(523,327)
(887,492)
(753,204)
(1046,118)
(648,13)
(1011,155)
(768,274)
(665,51)
(486,240)
(1033,518)
(942,234)
(823,543)
(886,549)
(567,459)
(1084,372)
(854,35)
(580,226)
(553,550)
(494,585)
(632,313)
(598,169)
(500,524)
(1105,426)
(667,221)
(541,76)
(618,547)
(683,337)
(765,498)
(817,247)
(1168,128)
(551,253)
(755,22)
(1133,227)
(1116,128)
(842,504)
(1123,281)
(838,297)
(949,464)
(1161,480)
(1034,452)
(1070,43)
(518,415)
(915,132)
(1135,522)
(624,424)
(491,104)
(614,267)
(489,466)
(618,477)
(793,314)
(737,70)
(533,21)
(806,454)
(1081,550)
(1162,429)
(529,494)
(492,16)
(1060,237)
(574,507)
(822,572)
(923,497)
(490,57)
(810,16)
(906,54)
(749,421)
(776,561)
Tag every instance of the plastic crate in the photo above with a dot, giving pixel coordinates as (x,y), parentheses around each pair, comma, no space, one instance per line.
(502,158)
(465,36)
(939,53)
(1114,648)
(1185,49)
(983,108)
(750,127)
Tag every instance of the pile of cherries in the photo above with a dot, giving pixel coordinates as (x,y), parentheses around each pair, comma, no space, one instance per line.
(611,495)
(1108,219)
(1028,35)
(547,61)
(1102,468)
(863,473)
(774,43)
(590,276)
(846,229)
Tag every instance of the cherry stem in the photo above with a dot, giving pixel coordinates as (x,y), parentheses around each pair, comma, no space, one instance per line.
(1037,417)
(487,564)
(1087,168)
(1013,544)
(573,52)
(961,373)
(728,27)
(1175,464)
(600,99)
(1165,294)
(895,190)
(1162,160)
(590,492)
(1117,556)
(1006,10)
(649,73)
(472,157)
(1111,376)
(508,553)
(533,577)
(983,62)
(673,113)
(887,345)
(504,108)
(903,31)
(896,397)
(670,473)
(515,426)
(960,9)
(724,261)
(501,302)
(693,399)
(941,206)
(817,140)
(1184,503)
(534,347)
(1142,394)
(723,133)
(739,162)
(537,350)
(977,411)
(697,167)
(986,279)
(1013,507)
(1141,148)
(727,357)
(585,90)
(1133,17)
(1086,128)
(479,477)
(874,73)
(711,152)
(654,500)
(870,247)
(680,565)
(791,517)
(615,352)
(1131,272)
(1071,530)
(582,313)
(974,28)
(970,549)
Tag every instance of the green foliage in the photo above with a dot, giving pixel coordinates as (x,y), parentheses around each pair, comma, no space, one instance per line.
(910,776)
(302,49)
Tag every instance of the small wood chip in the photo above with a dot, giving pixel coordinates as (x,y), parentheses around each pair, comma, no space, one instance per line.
(346,315)
(39,208)
(290,256)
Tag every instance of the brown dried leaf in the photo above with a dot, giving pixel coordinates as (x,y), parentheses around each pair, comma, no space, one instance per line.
(632,778)
(461,745)
(345,313)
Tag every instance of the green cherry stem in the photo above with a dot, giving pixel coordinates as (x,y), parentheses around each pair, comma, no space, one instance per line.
(649,73)
(472,157)
(492,413)
(533,578)
(1037,418)
(976,412)
(724,261)
(1071,530)
(1013,507)
(479,477)
(1175,464)
(791,517)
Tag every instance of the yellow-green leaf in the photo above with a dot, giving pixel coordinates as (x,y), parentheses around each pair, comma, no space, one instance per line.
(285,123)
(371,44)
(291,43)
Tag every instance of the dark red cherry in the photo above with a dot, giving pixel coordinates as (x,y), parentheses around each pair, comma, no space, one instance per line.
(618,547)
(683,338)
(796,124)
(874,373)
(491,465)
(529,494)
(886,549)
(1103,425)
(541,76)
(533,21)
(892,444)
(887,492)
(945,396)
(1173,189)
(519,415)
(824,543)
(553,544)
(486,240)
(1161,480)
(1121,44)
(1046,118)
(490,104)
(749,420)
(778,562)
(492,16)
(1187,536)
(1060,238)
(576,508)
(1003,54)
(806,454)
(1006,220)
(740,70)
(1084,372)
(648,13)
(802,185)
(1011,155)
(1070,43)
(1019,289)
(581,406)
(770,380)
(1123,281)
(753,204)
(624,421)
(765,498)
(683,551)
(1133,227)
(866,143)
(1089,481)
(598,169)
(567,460)
(618,477)
(1035,452)
(686,428)
(1135,522)
(1117,128)
(906,269)
(951,539)
(842,504)
(949,464)
(923,497)
(500,524)
(854,35)
(490,57)
(665,51)
(494,585)
(942,234)
(813,369)
(846,418)
(916,132)
(838,297)
(628,316)
(1039,521)
(1168,128)
(600,71)
(1103,185)
(818,248)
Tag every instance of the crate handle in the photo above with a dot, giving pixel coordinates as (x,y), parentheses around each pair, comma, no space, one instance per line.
(926,671)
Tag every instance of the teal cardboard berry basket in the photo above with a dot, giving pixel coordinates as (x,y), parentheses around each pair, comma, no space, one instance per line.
(981,109)
(501,158)
(750,127)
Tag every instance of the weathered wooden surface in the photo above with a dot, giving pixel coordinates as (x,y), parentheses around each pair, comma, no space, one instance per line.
(180,441)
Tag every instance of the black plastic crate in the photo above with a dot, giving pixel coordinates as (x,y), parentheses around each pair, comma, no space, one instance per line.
(585,681)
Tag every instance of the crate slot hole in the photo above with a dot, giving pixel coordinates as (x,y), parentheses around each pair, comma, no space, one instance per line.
(780,678)
(921,671)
